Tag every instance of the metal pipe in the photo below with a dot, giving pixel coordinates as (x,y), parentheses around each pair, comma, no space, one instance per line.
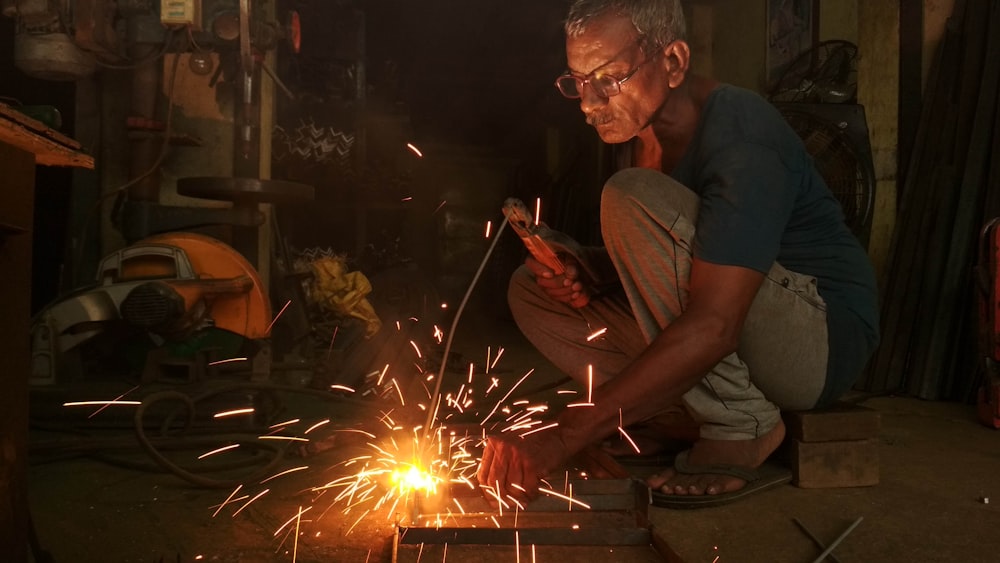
(837,541)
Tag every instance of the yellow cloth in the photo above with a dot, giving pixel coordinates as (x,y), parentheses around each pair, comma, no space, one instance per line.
(343,292)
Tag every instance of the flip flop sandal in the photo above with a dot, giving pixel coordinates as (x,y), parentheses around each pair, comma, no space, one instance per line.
(767,476)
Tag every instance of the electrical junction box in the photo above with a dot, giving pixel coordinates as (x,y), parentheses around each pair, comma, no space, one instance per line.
(181,12)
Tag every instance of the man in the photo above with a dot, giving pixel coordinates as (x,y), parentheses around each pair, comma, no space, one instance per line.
(730,283)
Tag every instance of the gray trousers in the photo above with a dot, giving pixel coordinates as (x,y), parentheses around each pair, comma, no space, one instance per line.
(648,224)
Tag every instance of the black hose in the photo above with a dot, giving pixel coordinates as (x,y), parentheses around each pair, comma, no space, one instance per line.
(183,473)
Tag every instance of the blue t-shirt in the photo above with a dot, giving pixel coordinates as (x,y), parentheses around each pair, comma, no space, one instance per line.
(763,201)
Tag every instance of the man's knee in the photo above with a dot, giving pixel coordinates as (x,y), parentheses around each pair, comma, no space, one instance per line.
(520,290)
(641,190)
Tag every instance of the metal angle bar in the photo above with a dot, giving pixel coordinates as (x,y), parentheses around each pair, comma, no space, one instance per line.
(536,536)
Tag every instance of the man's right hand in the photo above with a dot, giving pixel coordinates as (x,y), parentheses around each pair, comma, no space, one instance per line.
(566,288)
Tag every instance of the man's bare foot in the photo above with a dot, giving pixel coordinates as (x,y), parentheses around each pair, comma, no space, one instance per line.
(747,454)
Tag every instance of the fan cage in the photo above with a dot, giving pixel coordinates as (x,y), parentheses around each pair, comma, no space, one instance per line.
(841,166)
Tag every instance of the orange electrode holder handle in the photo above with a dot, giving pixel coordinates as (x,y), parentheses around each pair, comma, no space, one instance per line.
(524,225)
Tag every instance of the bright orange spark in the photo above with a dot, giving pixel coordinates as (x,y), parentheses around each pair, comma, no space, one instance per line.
(590,383)
(597,334)
(564,497)
(292,519)
(629,438)
(286,423)
(260,494)
(219,450)
(317,425)
(489,227)
(285,472)
(276,317)
(118,398)
(96,403)
(230,360)
(231,495)
(414,150)
(234,412)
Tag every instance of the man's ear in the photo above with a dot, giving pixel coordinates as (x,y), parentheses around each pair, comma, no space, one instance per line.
(677,56)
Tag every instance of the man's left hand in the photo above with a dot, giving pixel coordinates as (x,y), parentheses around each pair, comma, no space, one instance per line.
(514,466)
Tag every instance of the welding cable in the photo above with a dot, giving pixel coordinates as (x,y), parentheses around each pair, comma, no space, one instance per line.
(164,149)
(436,397)
(195,478)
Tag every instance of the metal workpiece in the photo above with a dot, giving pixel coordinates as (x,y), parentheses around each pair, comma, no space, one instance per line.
(606,520)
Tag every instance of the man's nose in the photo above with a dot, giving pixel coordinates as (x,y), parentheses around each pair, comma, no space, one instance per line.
(590,101)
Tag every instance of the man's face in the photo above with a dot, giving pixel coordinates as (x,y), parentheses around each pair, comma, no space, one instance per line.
(610,45)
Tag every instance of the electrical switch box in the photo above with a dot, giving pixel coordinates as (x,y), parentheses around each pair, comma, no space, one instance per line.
(181,12)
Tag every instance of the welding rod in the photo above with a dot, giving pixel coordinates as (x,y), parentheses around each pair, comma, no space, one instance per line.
(815,540)
(436,397)
(837,541)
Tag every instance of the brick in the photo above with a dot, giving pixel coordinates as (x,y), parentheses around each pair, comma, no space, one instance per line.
(838,422)
(821,465)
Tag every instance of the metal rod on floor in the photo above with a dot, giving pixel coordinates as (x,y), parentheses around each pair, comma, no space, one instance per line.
(815,540)
(837,541)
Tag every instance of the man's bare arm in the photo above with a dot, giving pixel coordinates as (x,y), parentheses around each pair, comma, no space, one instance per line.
(707,331)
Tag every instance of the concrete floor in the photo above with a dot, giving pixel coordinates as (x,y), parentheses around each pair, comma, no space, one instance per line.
(937,467)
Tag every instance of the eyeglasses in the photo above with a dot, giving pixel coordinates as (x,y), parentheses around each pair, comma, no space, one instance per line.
(604,85)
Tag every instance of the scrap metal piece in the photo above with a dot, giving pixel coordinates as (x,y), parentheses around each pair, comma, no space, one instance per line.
(615,523)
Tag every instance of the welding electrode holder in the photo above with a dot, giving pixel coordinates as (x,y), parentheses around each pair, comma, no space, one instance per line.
(544,244)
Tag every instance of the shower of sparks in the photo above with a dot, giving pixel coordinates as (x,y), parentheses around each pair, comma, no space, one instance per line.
(414,150)
(276,317)
(234,412)
(489,228)
(219,450)
(399,464)
(228,361)
(597,334)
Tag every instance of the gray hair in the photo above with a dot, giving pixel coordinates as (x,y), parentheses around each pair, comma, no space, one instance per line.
(658,21)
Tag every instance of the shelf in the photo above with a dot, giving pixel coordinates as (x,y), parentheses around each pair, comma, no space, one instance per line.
(50,147)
